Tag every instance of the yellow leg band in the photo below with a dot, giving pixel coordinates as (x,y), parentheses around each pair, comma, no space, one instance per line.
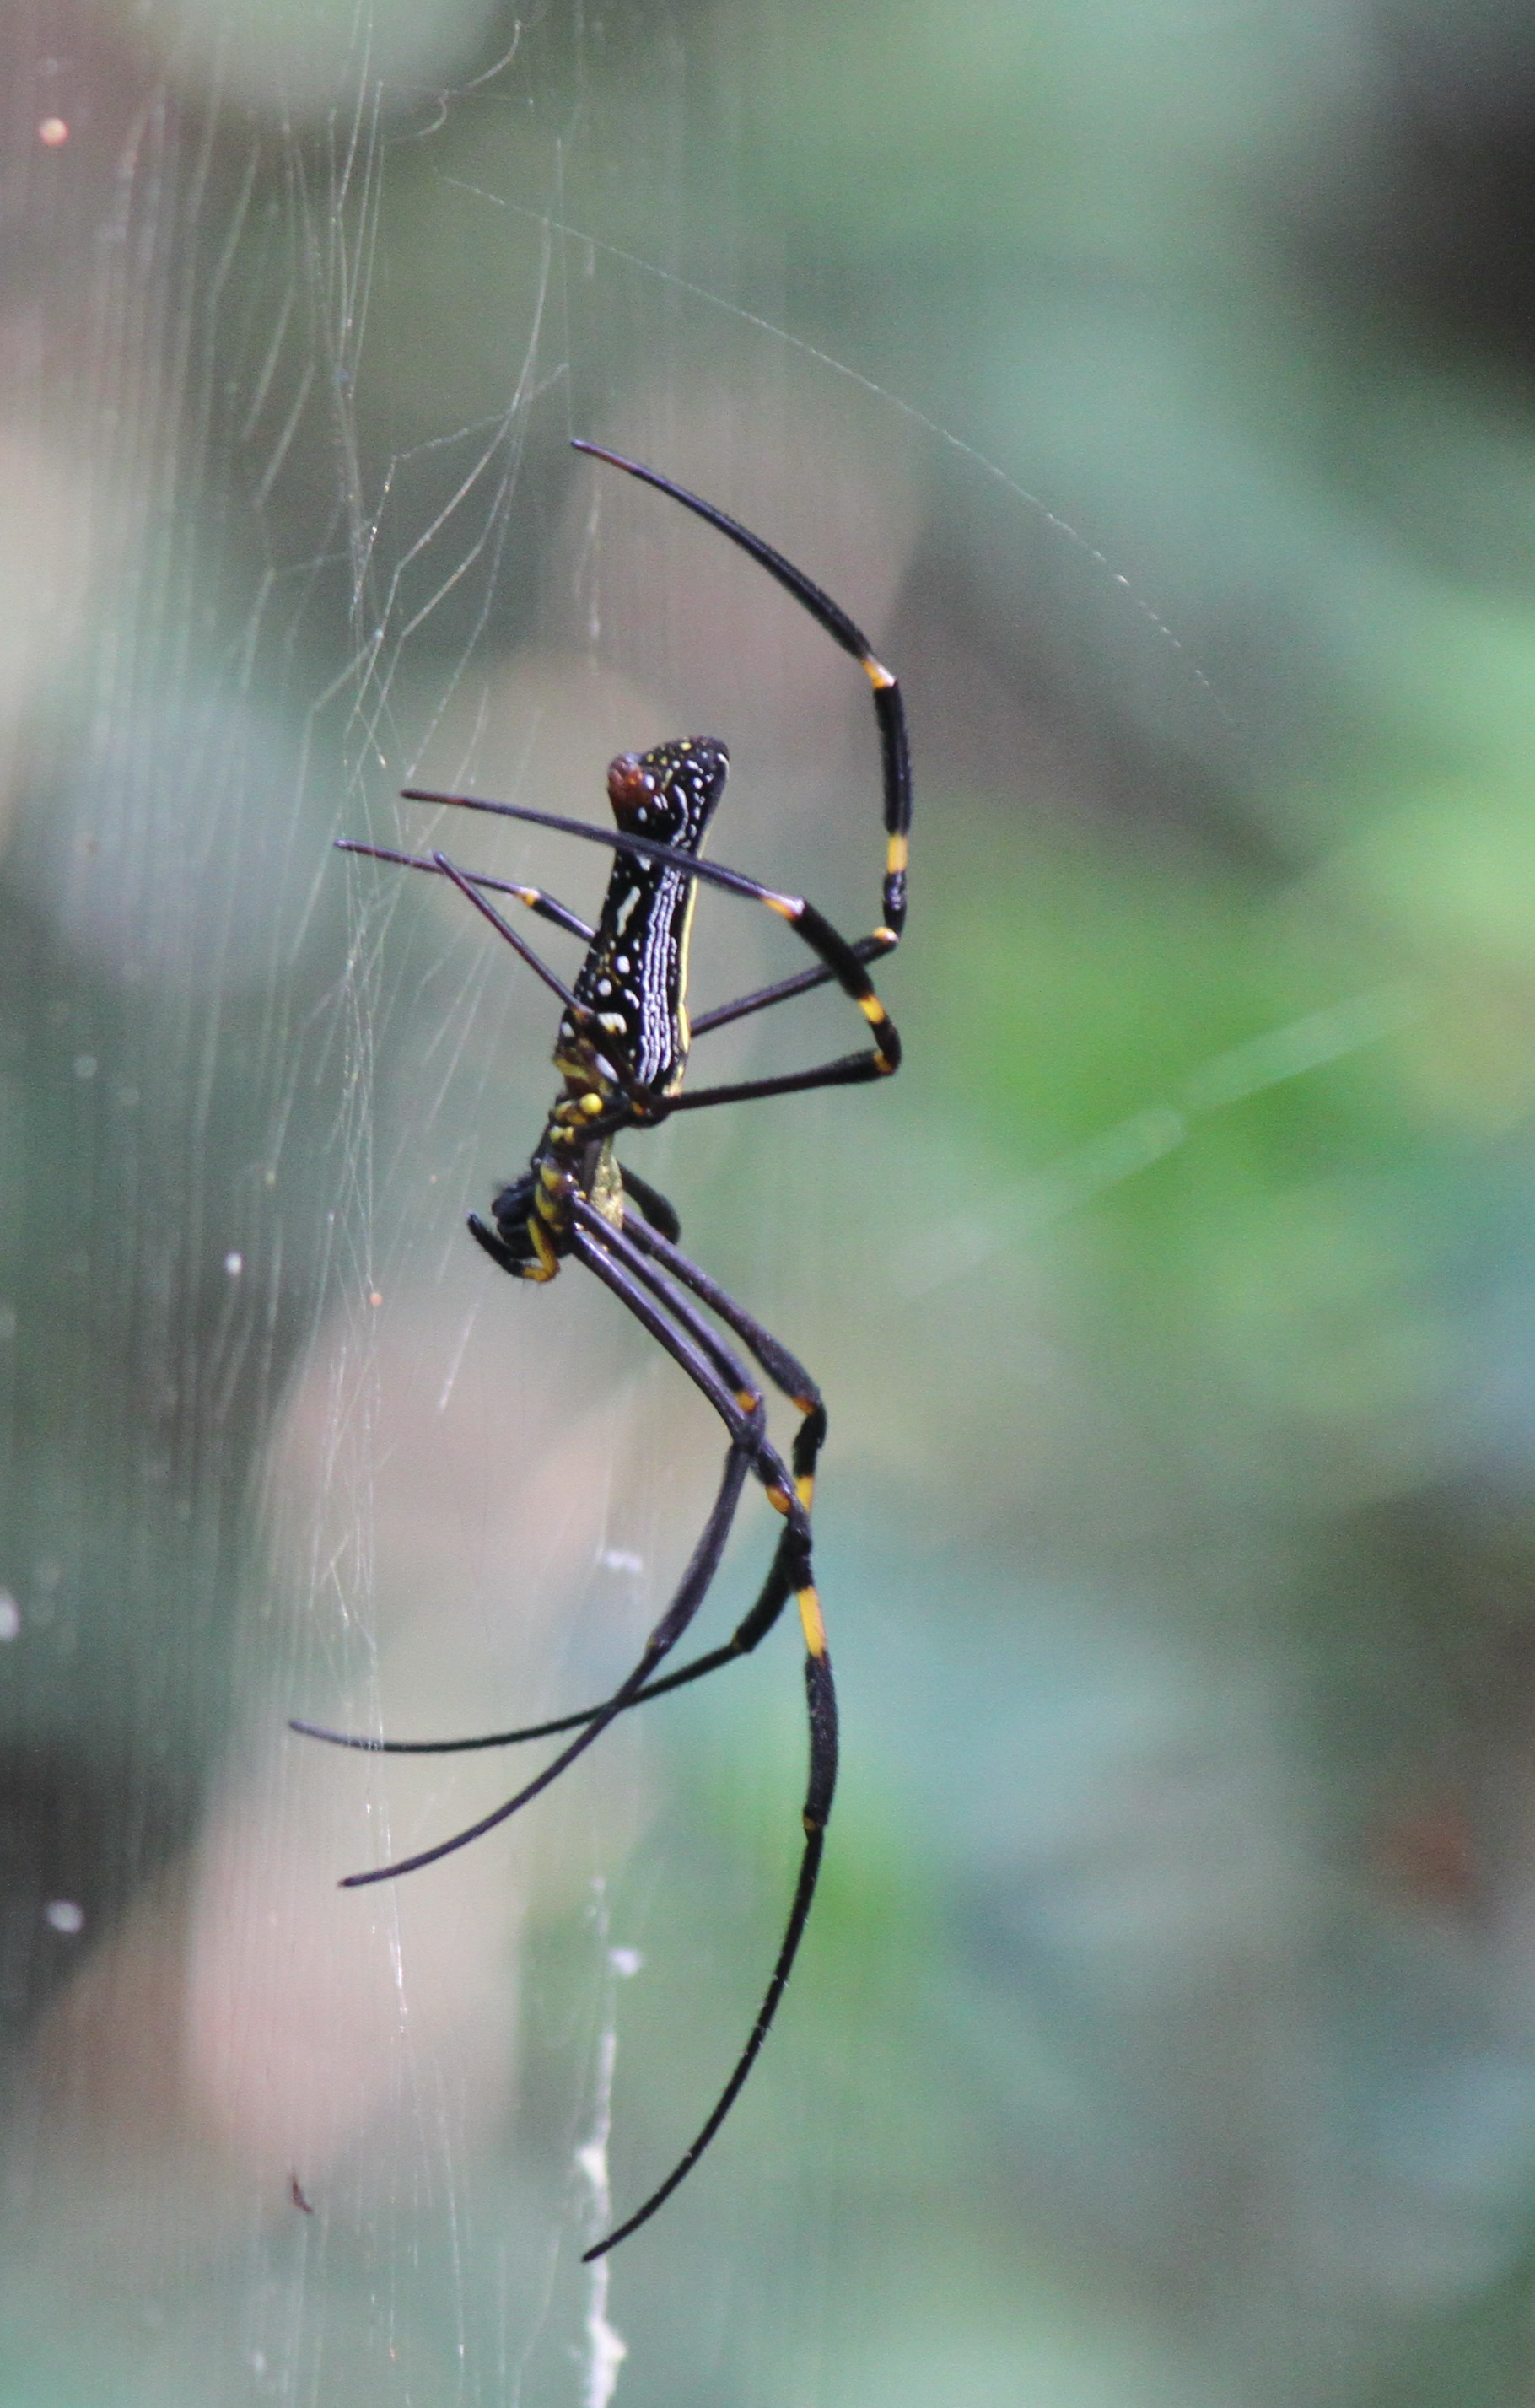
(810,1622)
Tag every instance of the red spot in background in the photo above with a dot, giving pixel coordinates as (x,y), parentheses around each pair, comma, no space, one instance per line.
(1430,1853)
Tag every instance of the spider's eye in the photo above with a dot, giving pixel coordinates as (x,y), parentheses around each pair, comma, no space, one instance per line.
(630,788)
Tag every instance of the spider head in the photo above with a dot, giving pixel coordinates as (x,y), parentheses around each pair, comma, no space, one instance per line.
(670,793)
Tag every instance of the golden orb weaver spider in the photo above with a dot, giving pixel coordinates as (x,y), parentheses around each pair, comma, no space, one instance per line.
(622,1052)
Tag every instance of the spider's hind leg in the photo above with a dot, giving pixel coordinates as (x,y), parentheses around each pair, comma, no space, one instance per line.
(652,1204)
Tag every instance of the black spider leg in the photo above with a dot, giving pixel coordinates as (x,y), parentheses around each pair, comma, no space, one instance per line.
(745,1421)
(787,1374)
(534,896)
(657,1208)
(889,710)
(466,886)
(599,1254)
(834,951)
(866,948)
(710,1365)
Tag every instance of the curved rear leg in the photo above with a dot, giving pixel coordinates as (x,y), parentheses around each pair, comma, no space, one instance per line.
(793,1560)
(679,1614)
(790,1378)
(696,1348)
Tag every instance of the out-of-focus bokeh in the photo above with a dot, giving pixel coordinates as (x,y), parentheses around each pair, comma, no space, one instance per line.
(1159,386)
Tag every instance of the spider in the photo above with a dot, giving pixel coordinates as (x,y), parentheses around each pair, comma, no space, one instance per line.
(622,1053)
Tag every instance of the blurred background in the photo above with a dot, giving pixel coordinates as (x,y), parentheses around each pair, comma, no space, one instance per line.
(1154,383)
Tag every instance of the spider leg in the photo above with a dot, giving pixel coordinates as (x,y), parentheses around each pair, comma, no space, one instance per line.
(868,949)
(848,1071)
(789,1375)
(652,1203)
(741,1408)
(690,1595)
(749,1632)
(821,1708)
(786,1372)
(889,709)
(534,896)
(837,954)
(734,1393)
(469,888)
(579,1012)
(637,1240)
(499,1251)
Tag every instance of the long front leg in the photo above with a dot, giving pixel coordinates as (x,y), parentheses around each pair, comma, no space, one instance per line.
(546,906)
(889,709)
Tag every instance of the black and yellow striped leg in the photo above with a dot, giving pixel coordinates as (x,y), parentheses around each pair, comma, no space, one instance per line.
(889,709)
(749,1633)
(665,1296)
(787,1373)
(696,1350)
(866,948)
(821,1706)
(631,1246)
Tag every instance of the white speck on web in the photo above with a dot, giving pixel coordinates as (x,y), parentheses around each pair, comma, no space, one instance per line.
(605,2350)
